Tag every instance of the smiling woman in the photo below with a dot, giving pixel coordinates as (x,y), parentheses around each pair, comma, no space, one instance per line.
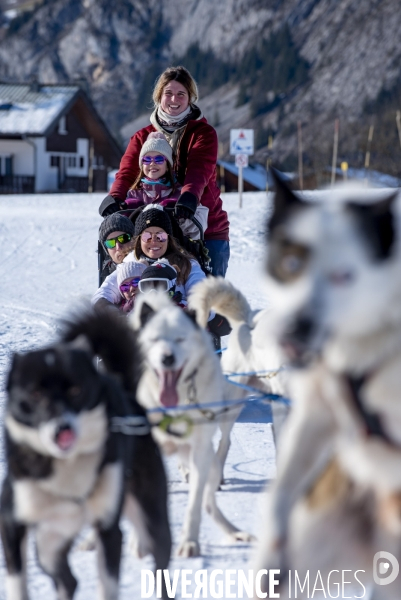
(194,147)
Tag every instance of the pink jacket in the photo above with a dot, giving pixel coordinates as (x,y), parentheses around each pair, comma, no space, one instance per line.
(152,193)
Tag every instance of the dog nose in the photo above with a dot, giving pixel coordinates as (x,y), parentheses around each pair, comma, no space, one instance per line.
(168,360)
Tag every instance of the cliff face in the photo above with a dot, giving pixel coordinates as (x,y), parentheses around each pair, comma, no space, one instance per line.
(118,48)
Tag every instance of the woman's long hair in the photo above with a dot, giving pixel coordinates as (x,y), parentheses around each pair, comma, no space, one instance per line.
(175,254)
(169,175)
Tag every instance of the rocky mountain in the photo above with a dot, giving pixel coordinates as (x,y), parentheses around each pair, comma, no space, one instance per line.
(267,64)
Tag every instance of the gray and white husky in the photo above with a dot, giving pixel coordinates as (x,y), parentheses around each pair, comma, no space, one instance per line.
(180,370)
(334,281)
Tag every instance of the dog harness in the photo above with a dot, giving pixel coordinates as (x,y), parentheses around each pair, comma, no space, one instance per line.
(371,421)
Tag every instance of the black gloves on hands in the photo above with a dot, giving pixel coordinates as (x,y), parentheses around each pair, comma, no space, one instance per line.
(186,206)
(110,205)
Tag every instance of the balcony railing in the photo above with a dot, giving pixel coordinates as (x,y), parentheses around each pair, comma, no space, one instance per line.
(17,184)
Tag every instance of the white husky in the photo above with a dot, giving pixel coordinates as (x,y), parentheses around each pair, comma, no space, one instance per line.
(181,369)
(334,275)
(251,359)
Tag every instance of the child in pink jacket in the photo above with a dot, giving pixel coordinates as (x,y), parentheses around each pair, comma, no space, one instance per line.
(156,183)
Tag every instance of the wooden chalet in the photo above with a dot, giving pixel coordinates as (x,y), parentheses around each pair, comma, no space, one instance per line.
(52,139)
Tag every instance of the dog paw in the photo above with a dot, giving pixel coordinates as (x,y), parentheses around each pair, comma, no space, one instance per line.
(188,549)
(242,536)
(136,547)
(87,543)
(183,469)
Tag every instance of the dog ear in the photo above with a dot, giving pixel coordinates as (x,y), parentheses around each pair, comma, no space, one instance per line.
(284,199)
(377,224)
(146,313)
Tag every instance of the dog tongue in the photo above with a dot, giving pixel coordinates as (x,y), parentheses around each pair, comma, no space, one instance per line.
(168,387)
(65,439)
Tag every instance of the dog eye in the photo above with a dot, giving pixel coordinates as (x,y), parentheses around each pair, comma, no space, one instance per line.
(291,264)
(25,407)
(179,340)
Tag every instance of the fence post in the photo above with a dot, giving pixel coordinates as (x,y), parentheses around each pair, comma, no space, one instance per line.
(335,149)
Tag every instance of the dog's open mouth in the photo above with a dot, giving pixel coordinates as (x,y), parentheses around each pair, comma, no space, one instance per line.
(65,437)
(168,387)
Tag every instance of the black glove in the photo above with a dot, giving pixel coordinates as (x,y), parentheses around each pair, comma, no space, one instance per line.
(110,205)
(219,325)
(186,206)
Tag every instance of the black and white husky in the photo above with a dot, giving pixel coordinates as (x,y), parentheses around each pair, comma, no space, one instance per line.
(72,459)
(334,282)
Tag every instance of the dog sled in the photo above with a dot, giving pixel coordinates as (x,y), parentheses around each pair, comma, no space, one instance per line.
(196,247)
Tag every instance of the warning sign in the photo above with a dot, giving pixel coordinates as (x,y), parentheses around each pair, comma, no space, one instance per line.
(241,160)
(241,141)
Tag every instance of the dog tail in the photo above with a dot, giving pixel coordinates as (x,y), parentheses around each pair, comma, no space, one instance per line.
(109,338)
(218,294)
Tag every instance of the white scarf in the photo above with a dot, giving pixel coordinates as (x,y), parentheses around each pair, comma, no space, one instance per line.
(171,119)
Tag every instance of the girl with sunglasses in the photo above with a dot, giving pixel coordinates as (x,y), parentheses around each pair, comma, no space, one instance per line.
(128,279)
(156,183)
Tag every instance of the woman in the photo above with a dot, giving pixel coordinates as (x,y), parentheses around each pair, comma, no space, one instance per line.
(194,143)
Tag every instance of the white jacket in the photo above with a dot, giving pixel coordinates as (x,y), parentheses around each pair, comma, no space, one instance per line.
(109,288)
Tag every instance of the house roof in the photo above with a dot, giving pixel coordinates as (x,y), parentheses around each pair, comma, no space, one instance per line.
(32,110)
(255,174)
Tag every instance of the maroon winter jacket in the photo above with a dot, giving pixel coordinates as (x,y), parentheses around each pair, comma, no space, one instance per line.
(195,169)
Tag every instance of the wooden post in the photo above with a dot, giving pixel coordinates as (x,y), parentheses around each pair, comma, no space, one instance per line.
(90,167)
(335,149)
(367,155)
(240,185)
(300,158)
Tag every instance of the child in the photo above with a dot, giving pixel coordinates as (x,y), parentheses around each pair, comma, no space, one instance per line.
(156,183)
(161,276)
(128,276)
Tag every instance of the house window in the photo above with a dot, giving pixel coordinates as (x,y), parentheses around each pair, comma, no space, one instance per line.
(72,161)
(6,165)
(54,161)
(9,165)
(81,162)
(62,126)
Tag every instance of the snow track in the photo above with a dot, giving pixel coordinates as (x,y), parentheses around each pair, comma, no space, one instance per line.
(48,265)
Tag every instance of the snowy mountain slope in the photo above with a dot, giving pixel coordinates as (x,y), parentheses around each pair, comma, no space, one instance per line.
(49,263)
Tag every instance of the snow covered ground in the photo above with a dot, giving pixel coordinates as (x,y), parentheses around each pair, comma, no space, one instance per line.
(48,262)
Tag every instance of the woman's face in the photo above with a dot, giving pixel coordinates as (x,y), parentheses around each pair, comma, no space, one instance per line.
(175,98)
(154,170)
(119,251)
(154,248)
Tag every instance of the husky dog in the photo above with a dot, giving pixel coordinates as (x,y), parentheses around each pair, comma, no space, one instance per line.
(250,349)
(181,369)
(78,445)
(334,277)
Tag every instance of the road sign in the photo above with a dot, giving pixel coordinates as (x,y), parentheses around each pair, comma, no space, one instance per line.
(241,141)
(241,160)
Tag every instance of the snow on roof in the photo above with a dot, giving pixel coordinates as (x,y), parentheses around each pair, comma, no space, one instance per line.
(30,110)
(255,174)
